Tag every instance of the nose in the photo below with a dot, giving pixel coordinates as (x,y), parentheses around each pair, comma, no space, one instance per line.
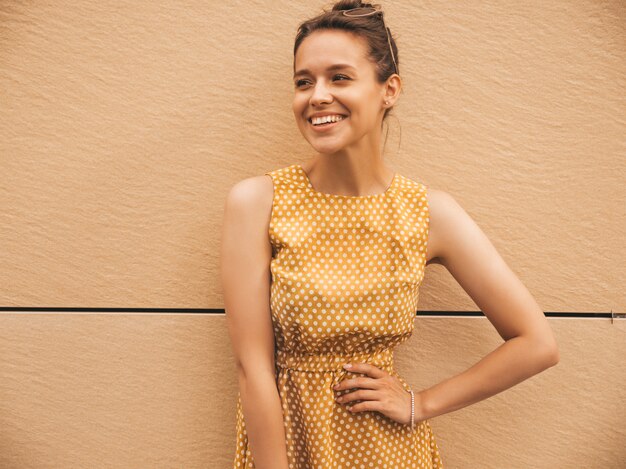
(320,94)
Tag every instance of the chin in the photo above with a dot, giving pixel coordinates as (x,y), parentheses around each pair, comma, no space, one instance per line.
(330,144)
(326,147)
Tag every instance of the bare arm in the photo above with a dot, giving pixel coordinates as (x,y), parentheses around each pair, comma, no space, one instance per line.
(457,242)
(245,261)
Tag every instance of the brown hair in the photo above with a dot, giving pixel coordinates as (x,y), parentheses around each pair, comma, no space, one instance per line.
(368,27)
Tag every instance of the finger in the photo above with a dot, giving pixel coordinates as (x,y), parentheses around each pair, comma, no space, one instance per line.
(358,395)
(361,382)
(365,406)
(368,369)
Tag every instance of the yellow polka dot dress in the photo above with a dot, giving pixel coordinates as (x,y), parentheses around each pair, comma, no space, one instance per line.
(346,272)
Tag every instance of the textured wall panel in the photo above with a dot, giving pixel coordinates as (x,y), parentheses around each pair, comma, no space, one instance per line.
(124,124)
(159,391)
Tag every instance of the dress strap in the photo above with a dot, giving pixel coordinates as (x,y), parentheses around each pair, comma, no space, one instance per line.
(289,194)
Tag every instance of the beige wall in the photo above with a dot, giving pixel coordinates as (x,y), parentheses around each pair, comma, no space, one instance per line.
(124,125)
(137,390)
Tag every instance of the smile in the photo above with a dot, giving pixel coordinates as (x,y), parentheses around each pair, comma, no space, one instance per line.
(322,123)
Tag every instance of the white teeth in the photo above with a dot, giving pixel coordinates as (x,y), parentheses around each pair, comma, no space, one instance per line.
(325,119)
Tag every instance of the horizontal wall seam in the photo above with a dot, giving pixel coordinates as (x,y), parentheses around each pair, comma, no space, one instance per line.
(440,313)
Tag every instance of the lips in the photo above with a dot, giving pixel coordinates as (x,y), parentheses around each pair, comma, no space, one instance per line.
(311,117)
(327,126)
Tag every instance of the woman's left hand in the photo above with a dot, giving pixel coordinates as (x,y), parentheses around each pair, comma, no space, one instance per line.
(379,391)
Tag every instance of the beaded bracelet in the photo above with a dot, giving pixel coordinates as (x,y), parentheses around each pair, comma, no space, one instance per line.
(412,408)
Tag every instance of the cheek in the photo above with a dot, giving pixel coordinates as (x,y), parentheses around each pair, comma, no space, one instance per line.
(363,107)
(369,111)
(298,106)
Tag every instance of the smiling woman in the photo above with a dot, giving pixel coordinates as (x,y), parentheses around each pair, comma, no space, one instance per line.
(344,72)
(322,264)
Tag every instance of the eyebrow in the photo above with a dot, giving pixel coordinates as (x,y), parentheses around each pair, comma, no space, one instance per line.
(332,67)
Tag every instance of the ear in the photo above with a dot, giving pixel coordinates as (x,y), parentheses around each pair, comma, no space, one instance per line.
(392,89)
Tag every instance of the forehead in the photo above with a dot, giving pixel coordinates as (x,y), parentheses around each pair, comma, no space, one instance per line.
(324,48)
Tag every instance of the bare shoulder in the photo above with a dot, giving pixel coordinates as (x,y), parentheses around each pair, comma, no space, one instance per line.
(446,217)
(251,195)
(247,213)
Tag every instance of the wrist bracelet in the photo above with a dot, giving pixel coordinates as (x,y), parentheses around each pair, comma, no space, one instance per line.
(412,408)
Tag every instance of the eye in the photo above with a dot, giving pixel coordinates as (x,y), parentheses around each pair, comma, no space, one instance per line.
(339,75)
(299,83)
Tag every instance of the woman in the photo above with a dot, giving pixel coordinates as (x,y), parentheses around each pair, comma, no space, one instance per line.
(321,267)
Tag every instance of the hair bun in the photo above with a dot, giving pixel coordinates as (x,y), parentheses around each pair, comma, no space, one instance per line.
(350,4)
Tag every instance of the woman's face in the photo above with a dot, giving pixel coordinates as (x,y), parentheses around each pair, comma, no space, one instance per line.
(334,77)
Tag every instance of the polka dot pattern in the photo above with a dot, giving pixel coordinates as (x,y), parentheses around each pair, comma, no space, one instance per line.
(346,272)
